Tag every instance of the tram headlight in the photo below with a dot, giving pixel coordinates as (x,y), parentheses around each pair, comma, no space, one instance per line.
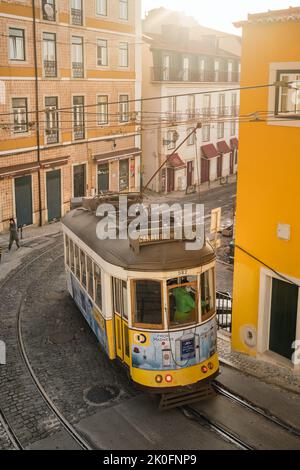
(159,379)
(168,378)
(204,369)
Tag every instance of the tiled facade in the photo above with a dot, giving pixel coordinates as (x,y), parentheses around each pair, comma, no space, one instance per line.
(72,131)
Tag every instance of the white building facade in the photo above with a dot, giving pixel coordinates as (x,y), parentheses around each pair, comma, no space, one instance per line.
(195,75)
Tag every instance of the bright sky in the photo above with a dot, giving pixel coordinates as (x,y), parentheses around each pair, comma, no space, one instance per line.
(219,14)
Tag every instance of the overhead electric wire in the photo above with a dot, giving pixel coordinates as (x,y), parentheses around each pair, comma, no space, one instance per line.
(155,98)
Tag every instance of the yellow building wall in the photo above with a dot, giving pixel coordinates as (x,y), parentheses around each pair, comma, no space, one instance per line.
(268,179)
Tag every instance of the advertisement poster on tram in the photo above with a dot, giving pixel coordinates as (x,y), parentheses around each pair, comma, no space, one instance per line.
(89,311)
(174,350)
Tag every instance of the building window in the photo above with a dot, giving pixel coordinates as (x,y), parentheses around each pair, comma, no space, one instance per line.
(230,72)
(191,107)
(166,67)
(76,12)
(206,133)
(191,139)
(20,115)
(171,139)
(78,117)
(102,54)
(186,66)
(48,8)
(77,57)
(288,95)
(234,113)
(217,70)
(221,129)
(102,112)
(221,110)
(124,108)
(202,70)
(172,107)
(51,125)
(49,55)
(123,54)
(123,9)
(101,7)
(16,44)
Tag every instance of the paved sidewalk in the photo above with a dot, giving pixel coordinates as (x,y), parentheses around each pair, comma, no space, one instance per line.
(33,237)
(265,371)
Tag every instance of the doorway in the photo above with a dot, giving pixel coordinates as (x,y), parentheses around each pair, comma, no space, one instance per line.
(23,198)
(53,185)
(283,322)
(79,180)
(103,177)
(190,173)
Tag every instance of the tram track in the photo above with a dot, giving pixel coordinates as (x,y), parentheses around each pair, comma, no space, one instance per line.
(64,423)
(203,420)
(221,390)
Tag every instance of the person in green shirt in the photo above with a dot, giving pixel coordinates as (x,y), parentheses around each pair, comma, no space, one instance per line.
(185,305)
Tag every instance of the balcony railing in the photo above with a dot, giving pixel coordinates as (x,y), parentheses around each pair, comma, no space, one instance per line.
(161,74)
(50,68)
(79,133)
(76,15)
(51,136)
(77,69)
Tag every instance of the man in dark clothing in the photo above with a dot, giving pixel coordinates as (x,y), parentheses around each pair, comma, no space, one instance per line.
(13,234)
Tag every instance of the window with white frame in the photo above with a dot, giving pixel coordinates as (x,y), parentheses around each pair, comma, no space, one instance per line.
(102,110)
(191,139)
(49,55)
(77,57)
(172,107)
(171,139)
(51,117)
(124,108)
(102,52)
(186,67)
(123,54)
(217,70)
(78,117)
(123,5)
(288,94)
(20,115)
(206,105)
(206,133)
(101,7)
(230,72)
(202,69)
(221,129)
(191,107)
(77,12)
(16,44)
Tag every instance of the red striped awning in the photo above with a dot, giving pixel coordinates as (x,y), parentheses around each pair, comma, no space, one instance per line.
(175,161)
(209,151)
(223,147)
(234,143)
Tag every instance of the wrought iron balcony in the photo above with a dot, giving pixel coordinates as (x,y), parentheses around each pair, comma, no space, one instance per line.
(76,15)
(50,68)
(52,136)
(171,74)
(77,69)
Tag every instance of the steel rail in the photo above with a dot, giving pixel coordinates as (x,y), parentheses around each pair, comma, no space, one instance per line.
(63,421)
(252,407)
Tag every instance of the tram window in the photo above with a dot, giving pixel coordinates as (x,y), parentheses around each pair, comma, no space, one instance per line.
(120,297)
(98,286)
(207,294)
(83,268)
(148,303)
(77,261)
(89,265)
(72,256)
(67,252)
(183,301)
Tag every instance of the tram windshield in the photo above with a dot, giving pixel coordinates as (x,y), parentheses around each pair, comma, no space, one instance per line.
(148,304)
(183,300)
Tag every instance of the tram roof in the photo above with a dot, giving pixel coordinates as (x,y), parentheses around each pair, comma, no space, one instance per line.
(166,256)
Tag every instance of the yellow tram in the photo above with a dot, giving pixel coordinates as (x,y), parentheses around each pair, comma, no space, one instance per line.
(153,308)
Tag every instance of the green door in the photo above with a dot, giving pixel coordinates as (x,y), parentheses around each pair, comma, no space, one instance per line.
(283,318)
(23,198)
(53,179)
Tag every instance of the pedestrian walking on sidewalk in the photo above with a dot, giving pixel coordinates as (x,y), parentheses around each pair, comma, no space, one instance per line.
(13,234)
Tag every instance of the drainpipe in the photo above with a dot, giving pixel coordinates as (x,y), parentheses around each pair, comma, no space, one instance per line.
(37,118)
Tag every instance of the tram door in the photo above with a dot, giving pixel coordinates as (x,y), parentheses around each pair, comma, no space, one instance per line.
(120,305)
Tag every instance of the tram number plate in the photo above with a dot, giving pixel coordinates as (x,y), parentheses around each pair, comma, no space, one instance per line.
(183,272)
